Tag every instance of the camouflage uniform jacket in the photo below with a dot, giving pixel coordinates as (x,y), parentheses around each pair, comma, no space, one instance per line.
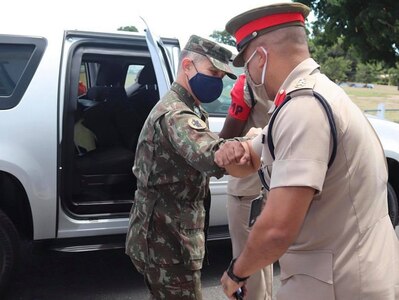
(174,159)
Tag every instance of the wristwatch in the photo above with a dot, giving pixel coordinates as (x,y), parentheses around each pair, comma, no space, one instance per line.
(231,274)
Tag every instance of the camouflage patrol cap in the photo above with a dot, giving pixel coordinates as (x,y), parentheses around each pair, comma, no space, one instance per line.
(218,55)
(258,21)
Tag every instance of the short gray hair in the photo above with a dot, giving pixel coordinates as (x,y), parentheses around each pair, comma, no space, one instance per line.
(196,57)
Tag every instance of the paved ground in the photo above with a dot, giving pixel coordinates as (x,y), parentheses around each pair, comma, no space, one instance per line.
(105,275)
(102,275)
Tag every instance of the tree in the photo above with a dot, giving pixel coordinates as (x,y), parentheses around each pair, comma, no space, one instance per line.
(336,63)
(368,72)
(336,68)
(223,37)
(128,28)
(393,75)
(371,27)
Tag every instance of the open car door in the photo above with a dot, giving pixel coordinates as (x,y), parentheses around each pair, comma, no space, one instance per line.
(162,63)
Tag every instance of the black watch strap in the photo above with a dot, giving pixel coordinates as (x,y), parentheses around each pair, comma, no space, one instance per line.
(231,274)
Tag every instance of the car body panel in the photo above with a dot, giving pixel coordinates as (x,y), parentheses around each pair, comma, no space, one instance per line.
(388,132)
(31,158)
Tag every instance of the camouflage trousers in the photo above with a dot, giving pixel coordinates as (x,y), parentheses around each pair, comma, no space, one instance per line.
(171,282)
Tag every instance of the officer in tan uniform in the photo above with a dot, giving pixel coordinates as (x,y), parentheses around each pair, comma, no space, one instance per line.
(246,112)
(326,216)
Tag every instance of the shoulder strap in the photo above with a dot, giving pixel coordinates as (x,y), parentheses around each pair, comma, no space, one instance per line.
(330,117)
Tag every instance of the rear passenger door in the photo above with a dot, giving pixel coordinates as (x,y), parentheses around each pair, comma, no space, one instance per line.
(105,87)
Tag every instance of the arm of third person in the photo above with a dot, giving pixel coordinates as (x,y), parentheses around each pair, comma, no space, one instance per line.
(232,127)
(238,112)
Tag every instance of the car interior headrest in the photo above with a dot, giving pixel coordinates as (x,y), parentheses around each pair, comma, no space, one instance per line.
(147,75)
(110,75)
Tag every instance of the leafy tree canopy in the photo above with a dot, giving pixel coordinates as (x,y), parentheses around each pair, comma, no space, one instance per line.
(371,27)
(128,28)
(223,37)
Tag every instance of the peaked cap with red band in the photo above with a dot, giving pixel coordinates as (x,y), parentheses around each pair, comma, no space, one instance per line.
(255,22)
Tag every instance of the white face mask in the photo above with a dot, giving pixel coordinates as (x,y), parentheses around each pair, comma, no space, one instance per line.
(259,90)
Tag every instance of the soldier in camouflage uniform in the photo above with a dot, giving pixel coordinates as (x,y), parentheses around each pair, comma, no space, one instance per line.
(174,159)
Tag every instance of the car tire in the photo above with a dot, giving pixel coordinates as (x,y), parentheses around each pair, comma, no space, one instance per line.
(393,206)
(9,250)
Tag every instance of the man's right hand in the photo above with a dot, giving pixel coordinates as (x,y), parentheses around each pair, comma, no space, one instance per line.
(232,153)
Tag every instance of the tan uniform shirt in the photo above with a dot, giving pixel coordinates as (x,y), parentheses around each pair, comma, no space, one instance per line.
(347,248)
(258,117)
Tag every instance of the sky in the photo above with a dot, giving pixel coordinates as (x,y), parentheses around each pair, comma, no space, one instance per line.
(169,18)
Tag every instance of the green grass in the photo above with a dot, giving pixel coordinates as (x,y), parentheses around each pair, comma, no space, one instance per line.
(363,92)
(368,99)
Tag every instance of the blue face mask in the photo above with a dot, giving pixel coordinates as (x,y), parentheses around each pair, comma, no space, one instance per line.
(206,88)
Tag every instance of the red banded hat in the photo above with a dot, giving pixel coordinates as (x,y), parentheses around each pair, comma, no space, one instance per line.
(253,23)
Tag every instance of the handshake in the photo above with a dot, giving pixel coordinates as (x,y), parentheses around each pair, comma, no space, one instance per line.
(235,156)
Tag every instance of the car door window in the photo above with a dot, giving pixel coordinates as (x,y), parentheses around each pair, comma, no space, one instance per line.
(19,58)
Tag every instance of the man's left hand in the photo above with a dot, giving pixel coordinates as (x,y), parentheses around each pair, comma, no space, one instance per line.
(230,287)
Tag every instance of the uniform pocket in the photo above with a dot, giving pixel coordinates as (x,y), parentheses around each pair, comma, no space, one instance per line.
(192,215)
(136,244)
(306,275)
(192,236)
(193,247)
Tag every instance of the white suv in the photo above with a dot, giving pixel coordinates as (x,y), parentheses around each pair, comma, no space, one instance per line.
(72,105)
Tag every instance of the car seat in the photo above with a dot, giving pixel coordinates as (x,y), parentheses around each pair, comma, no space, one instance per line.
(147,95)
(133,114)
(110,164)
(109,94)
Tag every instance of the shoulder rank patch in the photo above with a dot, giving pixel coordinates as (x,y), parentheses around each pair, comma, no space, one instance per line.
(196,123)
(301,83)
(304,83)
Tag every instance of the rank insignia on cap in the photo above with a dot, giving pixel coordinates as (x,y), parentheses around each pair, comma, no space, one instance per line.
(196,123)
